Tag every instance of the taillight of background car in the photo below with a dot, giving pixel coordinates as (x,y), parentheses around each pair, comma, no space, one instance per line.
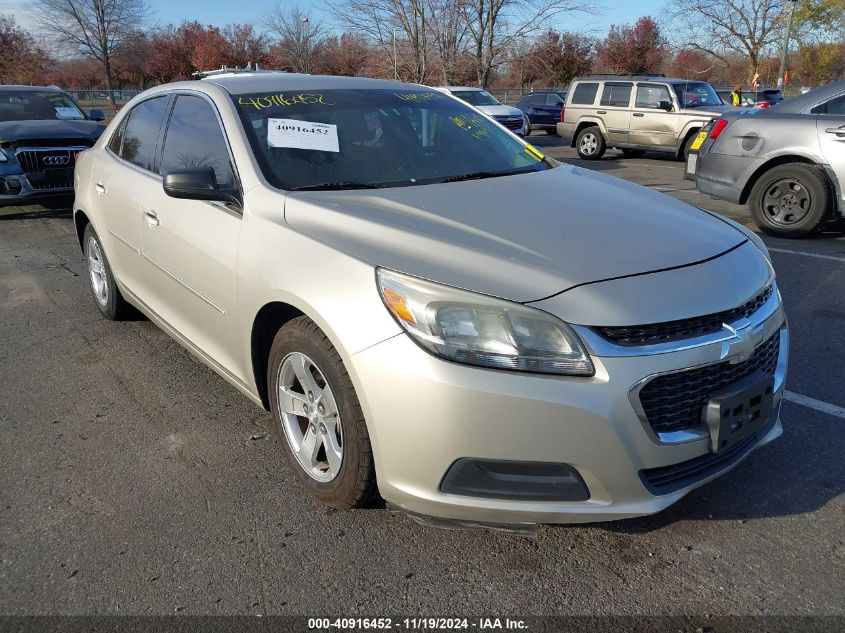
(562,115)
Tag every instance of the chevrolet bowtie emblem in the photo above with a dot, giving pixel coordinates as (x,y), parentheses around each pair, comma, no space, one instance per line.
(743,342)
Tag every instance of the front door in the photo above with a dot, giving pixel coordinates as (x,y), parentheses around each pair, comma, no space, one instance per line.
(830,126)
(191,245)
(651,123)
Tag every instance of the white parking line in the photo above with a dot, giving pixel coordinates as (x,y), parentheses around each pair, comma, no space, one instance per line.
(816,255)
(818,405)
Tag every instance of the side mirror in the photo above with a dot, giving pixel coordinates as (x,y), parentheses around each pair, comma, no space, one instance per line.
(196,184)
(97,115)
(665,105)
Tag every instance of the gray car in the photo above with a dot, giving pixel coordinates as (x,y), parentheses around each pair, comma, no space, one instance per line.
(432,310)
(787,163)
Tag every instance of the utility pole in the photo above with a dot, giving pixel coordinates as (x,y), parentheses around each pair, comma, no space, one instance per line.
(785,46)
(395,63)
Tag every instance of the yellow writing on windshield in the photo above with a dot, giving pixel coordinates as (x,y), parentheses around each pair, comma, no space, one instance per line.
(471,123)
(420,97)
(280,100)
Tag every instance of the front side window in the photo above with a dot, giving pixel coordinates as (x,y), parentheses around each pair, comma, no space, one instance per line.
(650,95)
(616,94)
(696,94)
(476,97)
(345,139)
(140,137)
(585,93)
(34,105)
(834,106)
(194,139)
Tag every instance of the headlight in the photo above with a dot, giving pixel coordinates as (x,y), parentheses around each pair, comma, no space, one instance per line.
(475,329)
(3,158)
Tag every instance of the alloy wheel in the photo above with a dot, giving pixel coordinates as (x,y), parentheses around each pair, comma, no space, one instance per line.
(310,417)
(786,202)
(589,144)
(97,272)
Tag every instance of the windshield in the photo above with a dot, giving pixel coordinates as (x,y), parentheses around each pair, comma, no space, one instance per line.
(476,97)
(348,139)
(696,94)
(31,105)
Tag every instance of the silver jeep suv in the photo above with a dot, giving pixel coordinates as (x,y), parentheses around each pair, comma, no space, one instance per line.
(636,114)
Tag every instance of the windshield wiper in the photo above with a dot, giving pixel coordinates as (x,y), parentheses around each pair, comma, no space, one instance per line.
(478,175)
(338,185)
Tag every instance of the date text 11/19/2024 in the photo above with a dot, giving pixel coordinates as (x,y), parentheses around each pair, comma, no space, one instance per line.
(416,624)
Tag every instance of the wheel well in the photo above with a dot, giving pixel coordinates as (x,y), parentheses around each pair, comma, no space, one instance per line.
(267,323)
(581,126)
(780,160)
(80,220)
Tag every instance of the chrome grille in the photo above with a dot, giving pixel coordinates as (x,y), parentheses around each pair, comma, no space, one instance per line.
(673,402)
(46,159)
(668,331)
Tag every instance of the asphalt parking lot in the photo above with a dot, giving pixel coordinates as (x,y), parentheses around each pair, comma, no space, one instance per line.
(136,481)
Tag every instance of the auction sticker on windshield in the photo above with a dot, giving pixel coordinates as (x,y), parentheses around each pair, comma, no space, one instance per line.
(302,135)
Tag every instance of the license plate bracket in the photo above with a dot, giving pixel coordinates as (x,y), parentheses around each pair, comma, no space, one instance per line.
(739,411)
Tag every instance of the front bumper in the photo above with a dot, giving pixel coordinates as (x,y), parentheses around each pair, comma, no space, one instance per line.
(22,189)
(425,414)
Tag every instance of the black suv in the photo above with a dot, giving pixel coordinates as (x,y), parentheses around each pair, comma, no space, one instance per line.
(41,132)
(543,109)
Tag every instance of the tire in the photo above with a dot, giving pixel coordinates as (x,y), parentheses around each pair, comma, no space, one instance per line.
(791,200)
(590,143)
(106,294)
(632,153)
(338,469)
(687,146)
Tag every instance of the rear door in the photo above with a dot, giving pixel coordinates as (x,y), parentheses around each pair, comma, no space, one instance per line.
(191,245)
(830,126)
(651,124)
(126,171)
(615,109)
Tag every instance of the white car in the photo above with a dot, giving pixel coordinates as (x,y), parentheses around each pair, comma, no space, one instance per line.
(512,118)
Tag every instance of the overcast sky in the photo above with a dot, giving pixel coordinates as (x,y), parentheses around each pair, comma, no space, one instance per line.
(220,13)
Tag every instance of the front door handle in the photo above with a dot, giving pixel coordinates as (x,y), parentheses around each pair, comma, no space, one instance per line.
(151,218)
(601,111)
(839,131)
(638,114)
(100,188)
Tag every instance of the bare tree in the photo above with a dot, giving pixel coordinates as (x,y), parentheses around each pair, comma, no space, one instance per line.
(299,36)
(496,25)
(381,20)
(449,32)
(94,28)
(718,27)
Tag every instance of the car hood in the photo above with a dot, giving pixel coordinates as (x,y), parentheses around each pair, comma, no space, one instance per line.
(522,237)
(14,132)
(500,110)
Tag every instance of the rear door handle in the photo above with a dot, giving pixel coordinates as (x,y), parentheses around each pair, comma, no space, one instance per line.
(839,131)
(100,188)
(638,114)
(151,218)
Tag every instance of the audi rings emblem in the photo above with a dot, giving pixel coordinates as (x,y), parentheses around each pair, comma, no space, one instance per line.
(55,161)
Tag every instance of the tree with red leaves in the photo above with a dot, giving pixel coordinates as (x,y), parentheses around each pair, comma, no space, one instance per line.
(634,49)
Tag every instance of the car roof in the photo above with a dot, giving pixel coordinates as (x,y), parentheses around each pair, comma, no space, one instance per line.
(9,88)
(245,83)
(636,78)
(812,98)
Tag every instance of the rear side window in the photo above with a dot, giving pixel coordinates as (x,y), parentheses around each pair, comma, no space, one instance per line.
(585,93)
(616,94)
(553,100)
(194,139)
(140,137)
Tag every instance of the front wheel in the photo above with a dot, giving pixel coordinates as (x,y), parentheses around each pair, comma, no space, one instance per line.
(319,418)
(590,143)
(791,200)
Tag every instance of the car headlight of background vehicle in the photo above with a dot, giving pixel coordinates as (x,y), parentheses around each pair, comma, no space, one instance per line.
(475,329)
